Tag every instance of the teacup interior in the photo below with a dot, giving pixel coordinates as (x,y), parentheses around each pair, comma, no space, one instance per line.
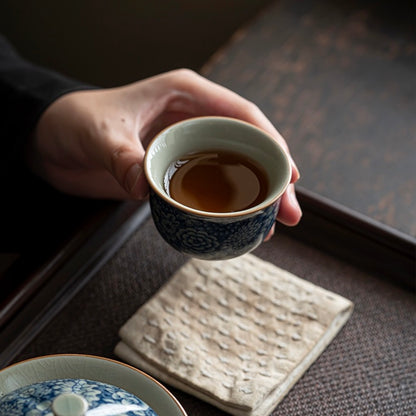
(217,133)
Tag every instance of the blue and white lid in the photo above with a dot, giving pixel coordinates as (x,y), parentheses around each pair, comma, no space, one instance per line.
(72,397)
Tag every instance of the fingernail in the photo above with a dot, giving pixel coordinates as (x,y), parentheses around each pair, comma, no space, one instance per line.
(295,171)
(132,177)
(270,233)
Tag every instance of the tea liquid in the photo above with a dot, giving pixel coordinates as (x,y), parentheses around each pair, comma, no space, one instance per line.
(217,181)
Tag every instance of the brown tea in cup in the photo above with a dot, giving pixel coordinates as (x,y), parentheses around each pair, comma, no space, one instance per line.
(216,181)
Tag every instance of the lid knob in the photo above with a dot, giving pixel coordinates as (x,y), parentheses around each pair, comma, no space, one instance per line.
(69,404)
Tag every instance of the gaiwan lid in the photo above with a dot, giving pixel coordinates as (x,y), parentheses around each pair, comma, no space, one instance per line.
(72,397)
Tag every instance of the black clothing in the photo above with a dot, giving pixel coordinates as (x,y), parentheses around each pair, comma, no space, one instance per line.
(33,214)
(25,92)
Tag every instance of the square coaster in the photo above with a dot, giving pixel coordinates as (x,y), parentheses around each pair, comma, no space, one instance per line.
(236,333)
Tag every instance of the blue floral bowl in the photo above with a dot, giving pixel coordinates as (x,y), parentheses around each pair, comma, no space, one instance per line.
(210,235)
(82,385)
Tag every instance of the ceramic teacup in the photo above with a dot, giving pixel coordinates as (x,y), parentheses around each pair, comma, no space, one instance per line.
(214,235)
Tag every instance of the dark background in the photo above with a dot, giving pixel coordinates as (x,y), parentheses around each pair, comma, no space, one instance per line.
(109,43)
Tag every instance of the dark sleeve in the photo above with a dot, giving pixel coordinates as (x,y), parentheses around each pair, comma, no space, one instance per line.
(26,90)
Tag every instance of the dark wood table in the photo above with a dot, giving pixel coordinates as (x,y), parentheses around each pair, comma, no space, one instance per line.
(338,79)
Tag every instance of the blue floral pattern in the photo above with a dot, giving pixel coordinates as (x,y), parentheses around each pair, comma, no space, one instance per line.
(36,399)
(210,239)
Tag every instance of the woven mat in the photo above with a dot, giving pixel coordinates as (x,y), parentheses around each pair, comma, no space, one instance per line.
(369,368)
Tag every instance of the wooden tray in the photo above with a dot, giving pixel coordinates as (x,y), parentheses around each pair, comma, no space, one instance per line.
(41,282)
(50,286)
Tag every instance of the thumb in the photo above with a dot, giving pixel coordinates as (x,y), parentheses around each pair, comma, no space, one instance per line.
(135,182)
(126,165)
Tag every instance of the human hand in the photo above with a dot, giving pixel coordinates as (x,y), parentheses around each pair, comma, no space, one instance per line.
(91,143)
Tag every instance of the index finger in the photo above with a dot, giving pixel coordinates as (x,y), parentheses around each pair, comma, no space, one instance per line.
(197,95)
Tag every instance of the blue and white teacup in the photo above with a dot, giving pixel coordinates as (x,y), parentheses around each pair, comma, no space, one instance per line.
(214,235)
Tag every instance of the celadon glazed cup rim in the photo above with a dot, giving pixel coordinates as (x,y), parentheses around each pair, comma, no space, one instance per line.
(84,366)
(217,133)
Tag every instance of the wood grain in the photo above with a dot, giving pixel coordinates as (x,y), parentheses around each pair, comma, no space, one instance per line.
(339,82)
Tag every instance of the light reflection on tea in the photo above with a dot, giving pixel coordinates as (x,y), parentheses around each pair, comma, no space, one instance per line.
(216,181)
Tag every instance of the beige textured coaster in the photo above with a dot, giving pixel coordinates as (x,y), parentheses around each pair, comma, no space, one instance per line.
(236,333)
